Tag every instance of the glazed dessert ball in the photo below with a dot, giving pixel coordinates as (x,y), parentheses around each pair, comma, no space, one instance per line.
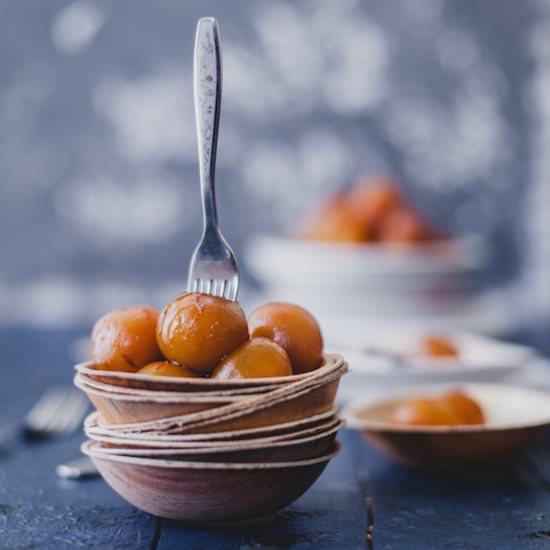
(334,222)
(125,339)
(438,346)
(199,330)
(464,407)
(166,368)
(423,412)
(294,329)
(258,358)
(370,201)
(402,225)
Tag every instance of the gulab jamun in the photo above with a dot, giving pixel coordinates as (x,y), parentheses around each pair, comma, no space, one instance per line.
(370,201)
(438,346)
(423,412)
(294,329)
(464,407)
(166,368)
(333,221)
(257,358)
(125,339)
(199,330)
(402,226)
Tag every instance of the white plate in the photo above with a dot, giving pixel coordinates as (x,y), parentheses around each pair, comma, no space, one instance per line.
(393,360)
(275,260)
(504,407)
(369,279)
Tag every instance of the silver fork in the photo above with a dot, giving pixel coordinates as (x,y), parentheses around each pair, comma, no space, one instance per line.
(59,411)
(213,268)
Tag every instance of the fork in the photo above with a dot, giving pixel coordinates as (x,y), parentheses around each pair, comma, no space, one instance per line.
(213,268)
(59,411)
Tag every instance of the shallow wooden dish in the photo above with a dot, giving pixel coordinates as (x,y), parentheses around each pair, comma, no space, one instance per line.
(301,448)
(207,491)
(122,408)
(515,416)
(303,398)
(123,390)
(167,383)
(96,426)
(175,442)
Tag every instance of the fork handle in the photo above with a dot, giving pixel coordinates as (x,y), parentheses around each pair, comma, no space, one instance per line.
(208,91)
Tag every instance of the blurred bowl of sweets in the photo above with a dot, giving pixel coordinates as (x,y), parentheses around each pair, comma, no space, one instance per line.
(368,251)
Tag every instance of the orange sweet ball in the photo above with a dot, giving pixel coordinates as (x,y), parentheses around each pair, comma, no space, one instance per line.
(464,407)
(333,221)
(402,226)
(370,201)
(294,329)
(199,330)
(423,412)
(125,339)
(257,358)
(438,346)
(166,368)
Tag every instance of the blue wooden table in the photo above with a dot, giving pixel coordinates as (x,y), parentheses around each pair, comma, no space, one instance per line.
(360,501)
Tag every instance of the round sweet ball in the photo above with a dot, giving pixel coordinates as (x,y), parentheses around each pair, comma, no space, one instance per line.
(294,329)
(166,368)
(438,346)
(199,330)
(125,339)
(424,412)
(333,221)
(463,406)
(402,226)
(258,358)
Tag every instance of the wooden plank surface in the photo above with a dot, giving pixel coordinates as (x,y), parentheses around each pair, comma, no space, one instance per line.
(360,501)
(498,506)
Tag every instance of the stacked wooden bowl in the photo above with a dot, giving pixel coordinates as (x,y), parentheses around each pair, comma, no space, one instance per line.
(207,450)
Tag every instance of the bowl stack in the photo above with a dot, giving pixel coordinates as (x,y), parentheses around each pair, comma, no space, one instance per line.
(207,450)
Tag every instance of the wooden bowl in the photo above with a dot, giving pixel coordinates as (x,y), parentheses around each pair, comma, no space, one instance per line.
(168,383)
(302,398)
(162,441)
(515,416)
(96,426)
(301,448)
(123,390)
(123,408)
(207,491)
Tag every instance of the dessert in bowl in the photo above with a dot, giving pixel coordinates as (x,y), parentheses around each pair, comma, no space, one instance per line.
(447,427)
(212,390)
(367,251)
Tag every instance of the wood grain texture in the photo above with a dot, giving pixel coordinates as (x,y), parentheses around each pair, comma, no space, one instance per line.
(499,506)
(331,515)
(505,507)
(37,509)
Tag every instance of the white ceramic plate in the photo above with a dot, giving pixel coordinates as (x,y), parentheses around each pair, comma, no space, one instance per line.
(390,358)
(367,279)
(276,260)
(504,407)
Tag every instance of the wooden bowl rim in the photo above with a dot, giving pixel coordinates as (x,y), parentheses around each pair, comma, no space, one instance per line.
(87,448)
(330,361)
(136,436)
(356,421)
(234,410)
(175,397)
(234,448)
(128,390)
(206,443)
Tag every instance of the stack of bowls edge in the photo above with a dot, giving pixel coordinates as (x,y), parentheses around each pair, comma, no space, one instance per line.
(211,451)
